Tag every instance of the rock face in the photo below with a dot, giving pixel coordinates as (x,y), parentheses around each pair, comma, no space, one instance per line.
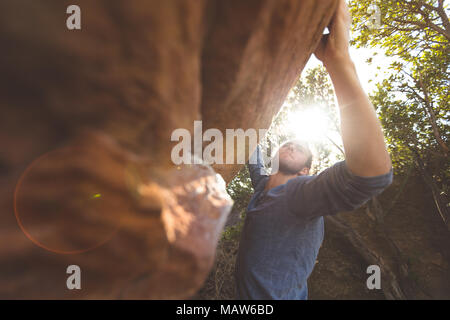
(86,118)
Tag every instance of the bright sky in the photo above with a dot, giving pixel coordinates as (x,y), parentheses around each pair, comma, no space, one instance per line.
(313,124)
(365,70)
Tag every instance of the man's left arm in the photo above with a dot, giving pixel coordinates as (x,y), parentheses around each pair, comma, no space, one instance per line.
(256,167)
(334,190)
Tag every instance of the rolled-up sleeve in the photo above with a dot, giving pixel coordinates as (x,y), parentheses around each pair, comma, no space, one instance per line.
(335,189)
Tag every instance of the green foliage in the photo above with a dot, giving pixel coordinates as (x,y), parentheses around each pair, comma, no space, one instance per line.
(240,189)
(414,100)
(232,233)
(407,28)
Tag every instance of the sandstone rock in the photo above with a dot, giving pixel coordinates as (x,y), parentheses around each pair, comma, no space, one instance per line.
(85,124)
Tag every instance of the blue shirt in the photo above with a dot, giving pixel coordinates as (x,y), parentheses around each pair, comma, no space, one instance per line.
(284,228)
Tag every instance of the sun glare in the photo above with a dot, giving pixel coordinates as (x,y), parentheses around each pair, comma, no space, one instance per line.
(311,124)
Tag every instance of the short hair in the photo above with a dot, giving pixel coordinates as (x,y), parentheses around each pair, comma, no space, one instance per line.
(304,147)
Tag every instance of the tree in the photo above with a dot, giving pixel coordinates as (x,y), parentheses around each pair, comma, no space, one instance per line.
(414,100)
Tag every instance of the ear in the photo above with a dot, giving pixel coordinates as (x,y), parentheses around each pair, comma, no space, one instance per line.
(303,172)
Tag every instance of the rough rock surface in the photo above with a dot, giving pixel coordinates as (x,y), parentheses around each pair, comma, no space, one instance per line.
(85,123)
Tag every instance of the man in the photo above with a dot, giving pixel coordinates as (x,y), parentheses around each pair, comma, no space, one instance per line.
(284,226)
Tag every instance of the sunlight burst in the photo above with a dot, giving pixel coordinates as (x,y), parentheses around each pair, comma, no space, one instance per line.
(311,124)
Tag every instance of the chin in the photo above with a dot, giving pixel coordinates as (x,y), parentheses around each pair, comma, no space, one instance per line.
(288,167)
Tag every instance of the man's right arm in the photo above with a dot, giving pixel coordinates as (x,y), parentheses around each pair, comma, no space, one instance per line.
(256,167)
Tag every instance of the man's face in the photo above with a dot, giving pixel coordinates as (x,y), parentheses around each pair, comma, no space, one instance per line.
(292,158)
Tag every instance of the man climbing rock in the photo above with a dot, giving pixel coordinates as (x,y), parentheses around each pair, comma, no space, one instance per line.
(284,225)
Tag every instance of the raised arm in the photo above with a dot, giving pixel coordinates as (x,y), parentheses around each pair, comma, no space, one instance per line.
(256,167)
(366,170)
(365,149)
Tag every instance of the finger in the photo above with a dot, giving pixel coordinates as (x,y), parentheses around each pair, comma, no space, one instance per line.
(345,11)
(341,18)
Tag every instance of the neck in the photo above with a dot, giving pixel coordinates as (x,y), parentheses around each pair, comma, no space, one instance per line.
(278,179)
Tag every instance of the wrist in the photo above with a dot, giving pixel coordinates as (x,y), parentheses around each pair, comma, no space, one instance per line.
(346,82)
(342,70)
(339,64)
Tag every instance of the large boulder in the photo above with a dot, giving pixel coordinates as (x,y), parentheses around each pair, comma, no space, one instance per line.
(86,118)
